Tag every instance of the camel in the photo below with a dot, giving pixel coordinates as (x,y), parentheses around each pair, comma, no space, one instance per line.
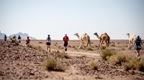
(104,37)
(84,40)
(131,39)
(14,40)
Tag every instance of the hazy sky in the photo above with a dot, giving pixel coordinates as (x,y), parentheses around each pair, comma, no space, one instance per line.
(57,17)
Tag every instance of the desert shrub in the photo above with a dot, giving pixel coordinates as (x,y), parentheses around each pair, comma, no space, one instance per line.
(128,62)
(133,63)
(53,65)
(141,65)
(118,59)
(113,60)
(94,65)
(127,66)
(107,53)
(103,47)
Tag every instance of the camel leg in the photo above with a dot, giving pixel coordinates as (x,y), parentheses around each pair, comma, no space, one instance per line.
(80,45)
(107,44)
(129,46)
(100,44)
(86,45)
(89,44)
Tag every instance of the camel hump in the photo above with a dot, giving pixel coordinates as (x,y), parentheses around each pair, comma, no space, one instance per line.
(132,35)
(105,33)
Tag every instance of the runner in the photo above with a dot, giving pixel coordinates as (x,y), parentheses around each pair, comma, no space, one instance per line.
(65,39)
(28,41)
(48,43)
(5,37)
(138,43)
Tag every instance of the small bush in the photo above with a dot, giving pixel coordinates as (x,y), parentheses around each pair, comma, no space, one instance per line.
(107,53)
(103,47)
(53,65)
(94,65)
(133,63)
(127,66)
(113,60)
(141,65)
(128,62)
(118,59)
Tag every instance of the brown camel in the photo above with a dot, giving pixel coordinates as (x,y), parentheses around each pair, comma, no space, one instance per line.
(103,38)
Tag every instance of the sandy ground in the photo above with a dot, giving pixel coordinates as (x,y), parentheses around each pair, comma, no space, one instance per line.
(77,69)
(118,45)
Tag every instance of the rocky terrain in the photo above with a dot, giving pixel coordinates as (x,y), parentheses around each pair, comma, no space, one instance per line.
(28,63)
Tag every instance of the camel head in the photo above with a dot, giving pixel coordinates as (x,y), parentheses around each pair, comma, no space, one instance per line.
(128,34)
(76,34)
(131,35)
(96,34)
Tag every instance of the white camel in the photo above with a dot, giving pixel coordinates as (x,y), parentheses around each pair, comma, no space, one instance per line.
(84,40)
(131,39)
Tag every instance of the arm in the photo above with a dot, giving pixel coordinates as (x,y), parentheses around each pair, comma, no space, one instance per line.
(68,38)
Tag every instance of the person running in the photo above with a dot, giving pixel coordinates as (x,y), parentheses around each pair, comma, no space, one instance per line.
(48,43)
(28,41)
(19,39)
(138,43)
(65,39)
(5,37)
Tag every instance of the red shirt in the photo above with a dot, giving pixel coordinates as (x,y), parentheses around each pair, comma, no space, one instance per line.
(65,38)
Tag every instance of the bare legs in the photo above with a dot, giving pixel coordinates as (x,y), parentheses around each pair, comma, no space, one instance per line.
(138,53)
(48,48)
(65,48)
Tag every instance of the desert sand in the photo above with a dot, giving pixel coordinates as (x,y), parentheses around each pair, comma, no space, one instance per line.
(27,63)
